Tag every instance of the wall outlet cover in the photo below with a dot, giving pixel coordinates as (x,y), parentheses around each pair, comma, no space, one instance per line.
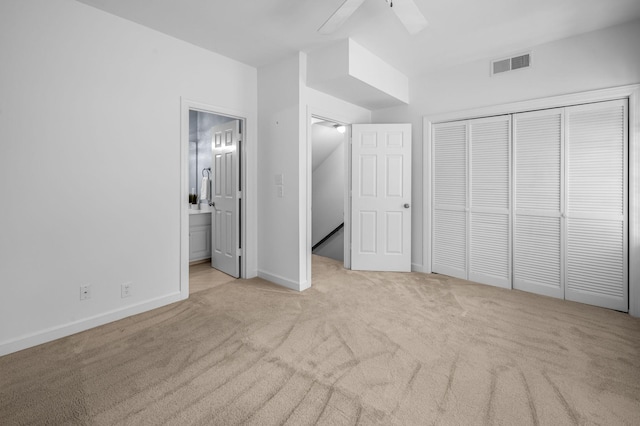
(125,290)
(85,292)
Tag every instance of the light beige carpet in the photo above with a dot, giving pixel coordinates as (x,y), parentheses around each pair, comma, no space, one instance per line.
(357,348)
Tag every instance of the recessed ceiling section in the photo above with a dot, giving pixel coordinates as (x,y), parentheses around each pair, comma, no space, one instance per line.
(350,72)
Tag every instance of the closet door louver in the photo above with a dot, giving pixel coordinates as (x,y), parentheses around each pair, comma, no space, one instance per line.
(449,243)
(537,225)
(596,200)
(489,201)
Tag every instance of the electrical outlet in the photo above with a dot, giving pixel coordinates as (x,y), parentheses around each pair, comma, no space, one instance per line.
(125,290)
(85,292)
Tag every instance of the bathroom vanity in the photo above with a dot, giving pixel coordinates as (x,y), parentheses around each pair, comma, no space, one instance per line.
(199,235)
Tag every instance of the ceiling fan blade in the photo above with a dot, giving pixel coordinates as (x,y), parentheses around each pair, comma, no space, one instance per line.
(339,16)
(410,15)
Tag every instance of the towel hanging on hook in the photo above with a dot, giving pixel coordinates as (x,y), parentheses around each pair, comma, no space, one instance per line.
(205,186)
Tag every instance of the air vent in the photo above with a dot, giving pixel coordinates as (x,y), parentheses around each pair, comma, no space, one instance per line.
(509,64)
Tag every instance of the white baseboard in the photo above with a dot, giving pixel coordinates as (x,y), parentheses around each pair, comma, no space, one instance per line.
(416,268)
(276,279)
(65,330)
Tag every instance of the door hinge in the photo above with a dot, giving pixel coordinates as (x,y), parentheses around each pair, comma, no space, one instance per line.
(238,252)
(239,195)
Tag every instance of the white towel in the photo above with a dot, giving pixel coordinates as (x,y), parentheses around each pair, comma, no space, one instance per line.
(205,189)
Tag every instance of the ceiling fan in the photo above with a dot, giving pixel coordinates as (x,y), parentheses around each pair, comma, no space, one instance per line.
(406,10)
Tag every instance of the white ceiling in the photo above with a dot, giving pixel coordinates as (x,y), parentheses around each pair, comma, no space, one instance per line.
(259,32)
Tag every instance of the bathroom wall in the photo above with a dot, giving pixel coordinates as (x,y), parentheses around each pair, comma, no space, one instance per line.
(193,148)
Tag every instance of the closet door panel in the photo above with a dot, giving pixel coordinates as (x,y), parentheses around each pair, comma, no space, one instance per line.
(450,243)
(596,262)
(596,151)
(537,255)
(489,249)
(450,199)
(489,201)
(538,161)
(538,202)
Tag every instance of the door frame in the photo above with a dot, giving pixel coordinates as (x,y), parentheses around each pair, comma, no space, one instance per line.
(187,105)
(630,92)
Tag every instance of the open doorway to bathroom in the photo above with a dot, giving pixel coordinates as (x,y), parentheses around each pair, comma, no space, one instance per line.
(328,157)
(213,204)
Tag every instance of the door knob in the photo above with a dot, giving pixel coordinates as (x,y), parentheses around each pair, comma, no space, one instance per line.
(406,205)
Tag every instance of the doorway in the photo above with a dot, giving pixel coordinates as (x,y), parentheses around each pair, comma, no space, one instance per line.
(376,196)
(328,188)
(212,216)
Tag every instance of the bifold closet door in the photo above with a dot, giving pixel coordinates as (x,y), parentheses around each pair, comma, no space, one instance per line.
(538,202)
(570,203)
(471,223)
(449,243)
(489,202)
(596,186)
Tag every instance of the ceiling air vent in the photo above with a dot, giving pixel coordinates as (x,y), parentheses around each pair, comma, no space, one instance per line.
(509,64)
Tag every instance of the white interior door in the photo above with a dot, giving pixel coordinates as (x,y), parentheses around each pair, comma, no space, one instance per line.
(381,197)
(225,189)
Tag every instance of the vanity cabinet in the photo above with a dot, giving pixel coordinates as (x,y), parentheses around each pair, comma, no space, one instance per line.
(199,236)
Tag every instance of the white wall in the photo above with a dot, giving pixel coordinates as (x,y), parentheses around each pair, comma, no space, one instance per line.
(193,149)
(595,60)
(350,72)
(327,206)
(367,67)
(333,247)
(327,106)
(285,107)
(278,217)
(91,190)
